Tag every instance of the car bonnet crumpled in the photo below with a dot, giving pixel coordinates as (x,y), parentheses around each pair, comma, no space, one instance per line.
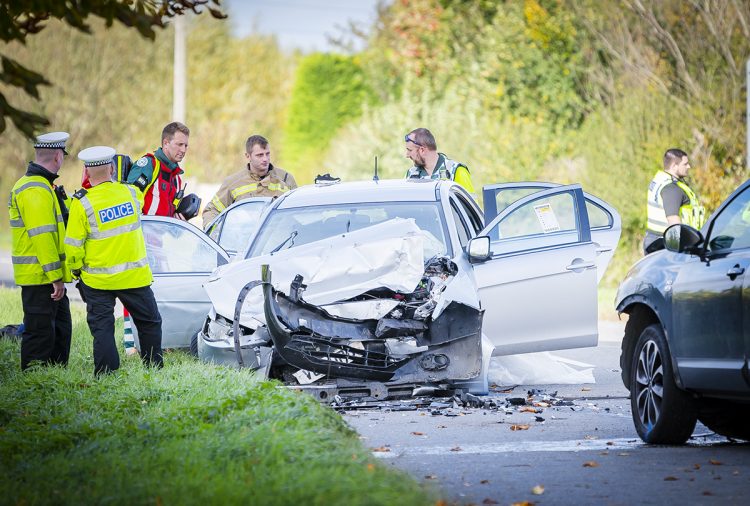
(386,255)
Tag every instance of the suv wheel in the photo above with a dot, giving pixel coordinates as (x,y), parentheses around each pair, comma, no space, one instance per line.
(662,413)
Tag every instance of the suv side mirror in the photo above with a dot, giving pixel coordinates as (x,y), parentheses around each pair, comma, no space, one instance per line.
(479,249)
(682,238)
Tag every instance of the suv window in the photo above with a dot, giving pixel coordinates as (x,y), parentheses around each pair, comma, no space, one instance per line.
(731,228)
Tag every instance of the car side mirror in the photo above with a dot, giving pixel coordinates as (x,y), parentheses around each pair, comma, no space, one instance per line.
(479,249)
(682,238)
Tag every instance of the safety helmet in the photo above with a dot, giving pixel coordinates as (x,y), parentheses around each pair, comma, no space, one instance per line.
(189,206)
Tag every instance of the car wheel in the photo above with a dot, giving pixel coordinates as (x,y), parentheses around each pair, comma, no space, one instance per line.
(194,344)
(730,419)
(662,413)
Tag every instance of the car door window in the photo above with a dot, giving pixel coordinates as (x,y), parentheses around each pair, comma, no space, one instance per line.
(461,227)
(731,228)
(177,248)
(550,220)
(239,224)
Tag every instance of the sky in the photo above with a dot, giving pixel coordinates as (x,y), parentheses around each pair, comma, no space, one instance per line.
(298,24)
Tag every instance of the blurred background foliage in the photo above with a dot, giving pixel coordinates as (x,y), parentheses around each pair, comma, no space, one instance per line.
(561,90)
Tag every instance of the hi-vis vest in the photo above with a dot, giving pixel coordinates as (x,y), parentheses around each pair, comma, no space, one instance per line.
(105,241)
(37,228)
(693,213)
(448,170)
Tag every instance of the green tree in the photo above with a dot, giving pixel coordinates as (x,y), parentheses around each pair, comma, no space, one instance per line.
(329,90)
(20,20)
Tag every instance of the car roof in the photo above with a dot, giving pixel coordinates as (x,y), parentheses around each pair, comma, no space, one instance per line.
(387,190)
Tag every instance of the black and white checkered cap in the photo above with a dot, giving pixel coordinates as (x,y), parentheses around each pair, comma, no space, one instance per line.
(52,140)
(97,155)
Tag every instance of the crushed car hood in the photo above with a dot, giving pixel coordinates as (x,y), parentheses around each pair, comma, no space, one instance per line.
(387,255)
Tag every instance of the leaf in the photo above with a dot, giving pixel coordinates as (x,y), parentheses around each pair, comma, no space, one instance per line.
(381,449)
(696,466)
(519,426)
(430,477)
(484,482)
(456,449)
(715,462)
(490,501)
(528,409)
(537,490)
(671,478)
(590,463)
(585,389)
(415,433)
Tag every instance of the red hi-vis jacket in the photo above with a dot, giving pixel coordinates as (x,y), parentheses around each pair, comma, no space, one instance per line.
(158,183)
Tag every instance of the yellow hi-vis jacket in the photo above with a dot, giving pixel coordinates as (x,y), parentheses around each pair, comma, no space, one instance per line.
(105,241)
(38,231)
(693,213)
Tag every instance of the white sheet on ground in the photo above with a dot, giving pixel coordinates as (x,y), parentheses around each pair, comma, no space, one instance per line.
(542,368)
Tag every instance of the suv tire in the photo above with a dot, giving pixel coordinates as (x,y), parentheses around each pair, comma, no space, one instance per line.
(662,413)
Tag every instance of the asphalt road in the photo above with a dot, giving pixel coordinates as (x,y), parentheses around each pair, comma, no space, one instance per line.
(583,452)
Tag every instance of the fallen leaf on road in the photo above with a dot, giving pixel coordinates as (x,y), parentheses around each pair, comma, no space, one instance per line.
(519,426)
(381,449)
(610,443)
(706,492)
(417,433)
(541,404)
(585,389)
(430,477)
(590,437)
(696,466)
(590,463)
(456,449)
(523,503)
(537,490)
(528,409)
(442,427)
(484,482)
(671,478)
(490,501)
(715,462)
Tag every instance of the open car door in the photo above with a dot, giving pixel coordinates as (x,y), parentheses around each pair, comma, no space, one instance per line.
(604,221)
(539,285)
(181,259)
(233,228)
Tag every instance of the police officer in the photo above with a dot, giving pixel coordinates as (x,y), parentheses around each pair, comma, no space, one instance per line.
(258,179)
(158,174)
(36,213)
(671,200)
(421,149)
(106,250)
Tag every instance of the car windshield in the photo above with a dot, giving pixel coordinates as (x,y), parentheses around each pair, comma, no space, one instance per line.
(287,228)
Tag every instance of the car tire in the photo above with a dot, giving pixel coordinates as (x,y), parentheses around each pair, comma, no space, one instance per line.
(662,413)
(194,344)
(727,418)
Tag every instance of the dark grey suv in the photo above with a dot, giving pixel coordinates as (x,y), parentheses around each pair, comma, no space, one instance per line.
(687,340)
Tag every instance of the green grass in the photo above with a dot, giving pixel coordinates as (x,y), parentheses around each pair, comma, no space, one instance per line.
(190,433)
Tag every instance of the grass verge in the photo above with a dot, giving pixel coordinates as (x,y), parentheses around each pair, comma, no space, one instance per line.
(191,433)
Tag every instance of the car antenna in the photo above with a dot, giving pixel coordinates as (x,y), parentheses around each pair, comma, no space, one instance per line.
(375,177)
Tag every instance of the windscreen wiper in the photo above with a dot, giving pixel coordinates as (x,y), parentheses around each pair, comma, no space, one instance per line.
(290,238)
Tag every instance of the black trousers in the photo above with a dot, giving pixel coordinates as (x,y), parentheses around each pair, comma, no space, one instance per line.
(47,326)
(100,309)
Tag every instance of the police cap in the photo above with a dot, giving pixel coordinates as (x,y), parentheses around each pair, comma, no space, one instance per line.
(52,140)
(97,155)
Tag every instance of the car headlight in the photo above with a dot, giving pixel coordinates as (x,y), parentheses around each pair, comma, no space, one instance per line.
(219,329)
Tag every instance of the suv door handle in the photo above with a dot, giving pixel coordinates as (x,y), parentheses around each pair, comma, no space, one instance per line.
(602,250)
(735,271)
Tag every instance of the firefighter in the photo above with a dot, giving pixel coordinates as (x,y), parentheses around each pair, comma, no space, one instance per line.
(106,251)
(258,179)
(36,212)
(671,200)
(421,149)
